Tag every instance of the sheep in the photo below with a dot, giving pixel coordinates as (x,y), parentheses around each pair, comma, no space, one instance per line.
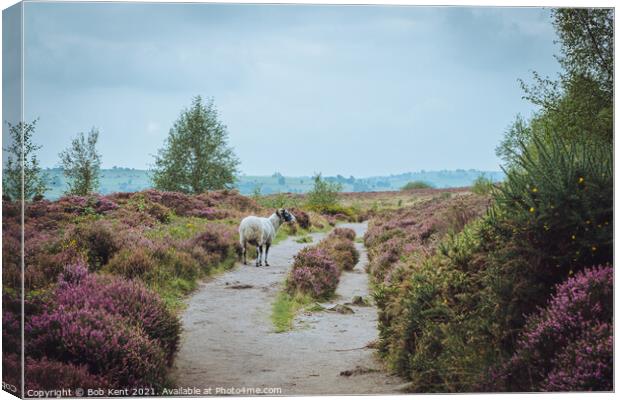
(260,231)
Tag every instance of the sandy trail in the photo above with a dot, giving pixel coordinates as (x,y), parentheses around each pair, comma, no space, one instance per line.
(229,339)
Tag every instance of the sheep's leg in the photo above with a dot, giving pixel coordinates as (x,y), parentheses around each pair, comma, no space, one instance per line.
(244,253)
(267,253)
(259,254)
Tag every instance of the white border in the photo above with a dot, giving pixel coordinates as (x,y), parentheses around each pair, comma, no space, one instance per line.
(507,3)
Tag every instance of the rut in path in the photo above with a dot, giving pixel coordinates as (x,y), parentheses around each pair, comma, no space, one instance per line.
(229,339)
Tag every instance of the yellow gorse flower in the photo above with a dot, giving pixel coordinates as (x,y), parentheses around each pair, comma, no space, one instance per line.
(581,180)
(593,248)
(532,209)
(534,190)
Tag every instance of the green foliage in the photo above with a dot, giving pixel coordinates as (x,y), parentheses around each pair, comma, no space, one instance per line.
(518,132)
(323,195)
(21,151)
(560,194)
(587,38)
(417,185)
(578,106)
(482,185)
(81,164)
(196,156)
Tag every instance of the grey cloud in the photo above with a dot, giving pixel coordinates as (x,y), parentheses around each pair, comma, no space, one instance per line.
(362,90)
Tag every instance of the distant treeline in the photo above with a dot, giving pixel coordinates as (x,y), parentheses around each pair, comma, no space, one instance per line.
(132,180)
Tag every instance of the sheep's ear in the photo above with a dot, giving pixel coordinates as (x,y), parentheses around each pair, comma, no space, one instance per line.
(278,213)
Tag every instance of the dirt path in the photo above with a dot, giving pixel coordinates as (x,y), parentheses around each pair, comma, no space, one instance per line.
(229,340)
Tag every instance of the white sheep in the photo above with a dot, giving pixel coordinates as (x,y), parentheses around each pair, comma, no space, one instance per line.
(260,231)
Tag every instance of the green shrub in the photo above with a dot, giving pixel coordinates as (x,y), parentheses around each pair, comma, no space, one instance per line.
(417,185)
(559,196)
(324,194)
(482,185)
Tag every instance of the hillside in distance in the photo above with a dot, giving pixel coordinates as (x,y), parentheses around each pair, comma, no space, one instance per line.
(132,180)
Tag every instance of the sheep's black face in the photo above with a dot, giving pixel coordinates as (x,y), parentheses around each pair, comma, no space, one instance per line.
(287,216)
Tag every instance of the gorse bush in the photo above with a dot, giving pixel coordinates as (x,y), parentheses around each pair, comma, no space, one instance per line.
(559,196)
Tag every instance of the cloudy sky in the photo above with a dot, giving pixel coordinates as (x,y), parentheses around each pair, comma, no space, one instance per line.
(338,89)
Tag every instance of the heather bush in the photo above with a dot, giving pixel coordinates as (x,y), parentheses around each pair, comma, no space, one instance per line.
(159,212)
(210,205)
(342,251)
(12,372)
(11,260)
(418,228)
(134,219)
(44,374)
(127,299)
(313,273)
(11,331)
(568,345)
(100,328)
(302,217)
(133,262)
(96,239)
(103,342)
(216,239)
(180,263)
(346,233)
